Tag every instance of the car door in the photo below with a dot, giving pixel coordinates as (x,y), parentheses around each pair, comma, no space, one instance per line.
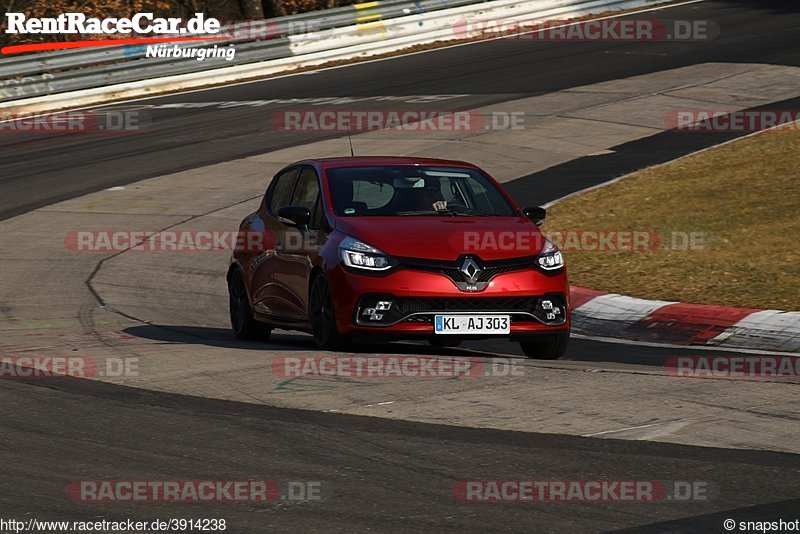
(294,259)
(267,295)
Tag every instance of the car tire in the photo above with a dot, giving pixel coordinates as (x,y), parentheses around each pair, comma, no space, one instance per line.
(549,348)
(242,322)
(322,316)
(441,343)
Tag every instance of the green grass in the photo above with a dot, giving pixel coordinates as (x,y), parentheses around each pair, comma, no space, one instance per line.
(744,197)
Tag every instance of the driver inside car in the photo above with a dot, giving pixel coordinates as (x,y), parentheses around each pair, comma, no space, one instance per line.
(411,197)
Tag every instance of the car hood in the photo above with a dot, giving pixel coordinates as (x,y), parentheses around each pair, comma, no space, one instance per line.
(446,238)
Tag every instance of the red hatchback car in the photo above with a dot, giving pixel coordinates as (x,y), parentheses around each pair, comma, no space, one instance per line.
(398,248)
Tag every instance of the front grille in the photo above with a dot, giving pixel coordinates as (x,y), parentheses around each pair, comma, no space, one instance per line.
(419,319)
(452,269)
(409,305)
(428,318)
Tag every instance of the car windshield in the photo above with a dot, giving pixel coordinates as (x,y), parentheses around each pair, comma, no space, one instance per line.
(406,190)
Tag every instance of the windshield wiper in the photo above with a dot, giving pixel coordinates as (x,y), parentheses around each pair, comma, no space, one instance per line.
(434,212)
(468,212)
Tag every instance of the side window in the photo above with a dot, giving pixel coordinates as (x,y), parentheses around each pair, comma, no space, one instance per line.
(281,192)
(317,216)
(307,194)
(307,190)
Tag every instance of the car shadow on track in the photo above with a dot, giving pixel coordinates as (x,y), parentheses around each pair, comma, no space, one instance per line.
(579,350)
(290,342)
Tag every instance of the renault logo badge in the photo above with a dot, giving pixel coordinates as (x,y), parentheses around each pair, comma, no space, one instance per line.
(470,270)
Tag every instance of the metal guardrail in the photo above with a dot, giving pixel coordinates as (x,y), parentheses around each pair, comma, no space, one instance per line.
(346,32)
(55,72)
(277,27)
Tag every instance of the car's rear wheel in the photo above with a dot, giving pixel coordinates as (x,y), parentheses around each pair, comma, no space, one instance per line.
(547,348)
(242,322)
(322,316)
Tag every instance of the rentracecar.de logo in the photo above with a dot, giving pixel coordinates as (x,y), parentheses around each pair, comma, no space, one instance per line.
(79,23)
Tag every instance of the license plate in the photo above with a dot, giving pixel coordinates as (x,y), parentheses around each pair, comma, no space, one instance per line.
(472,324)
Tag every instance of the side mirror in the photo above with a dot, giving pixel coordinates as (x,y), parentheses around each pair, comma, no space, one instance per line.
(536,214)
(297,216)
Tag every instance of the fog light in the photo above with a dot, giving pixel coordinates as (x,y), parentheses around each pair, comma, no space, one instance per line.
(377,309)
(549,310)
(373,313)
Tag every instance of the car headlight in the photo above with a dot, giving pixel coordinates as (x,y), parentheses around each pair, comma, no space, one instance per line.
(359,255)
(550,258)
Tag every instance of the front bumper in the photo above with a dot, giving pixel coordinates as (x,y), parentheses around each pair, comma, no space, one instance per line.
(417,296)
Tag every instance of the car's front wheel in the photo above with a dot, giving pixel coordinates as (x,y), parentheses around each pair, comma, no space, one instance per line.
(322,317)
(547,348)
(242,322)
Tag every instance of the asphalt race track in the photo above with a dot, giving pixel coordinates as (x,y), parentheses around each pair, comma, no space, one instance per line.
(391,477)
(40,170)
(388,474)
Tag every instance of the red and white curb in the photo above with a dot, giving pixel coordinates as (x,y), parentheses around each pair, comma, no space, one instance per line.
(596,313)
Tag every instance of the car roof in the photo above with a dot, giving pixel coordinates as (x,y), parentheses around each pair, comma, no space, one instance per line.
(361,161)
